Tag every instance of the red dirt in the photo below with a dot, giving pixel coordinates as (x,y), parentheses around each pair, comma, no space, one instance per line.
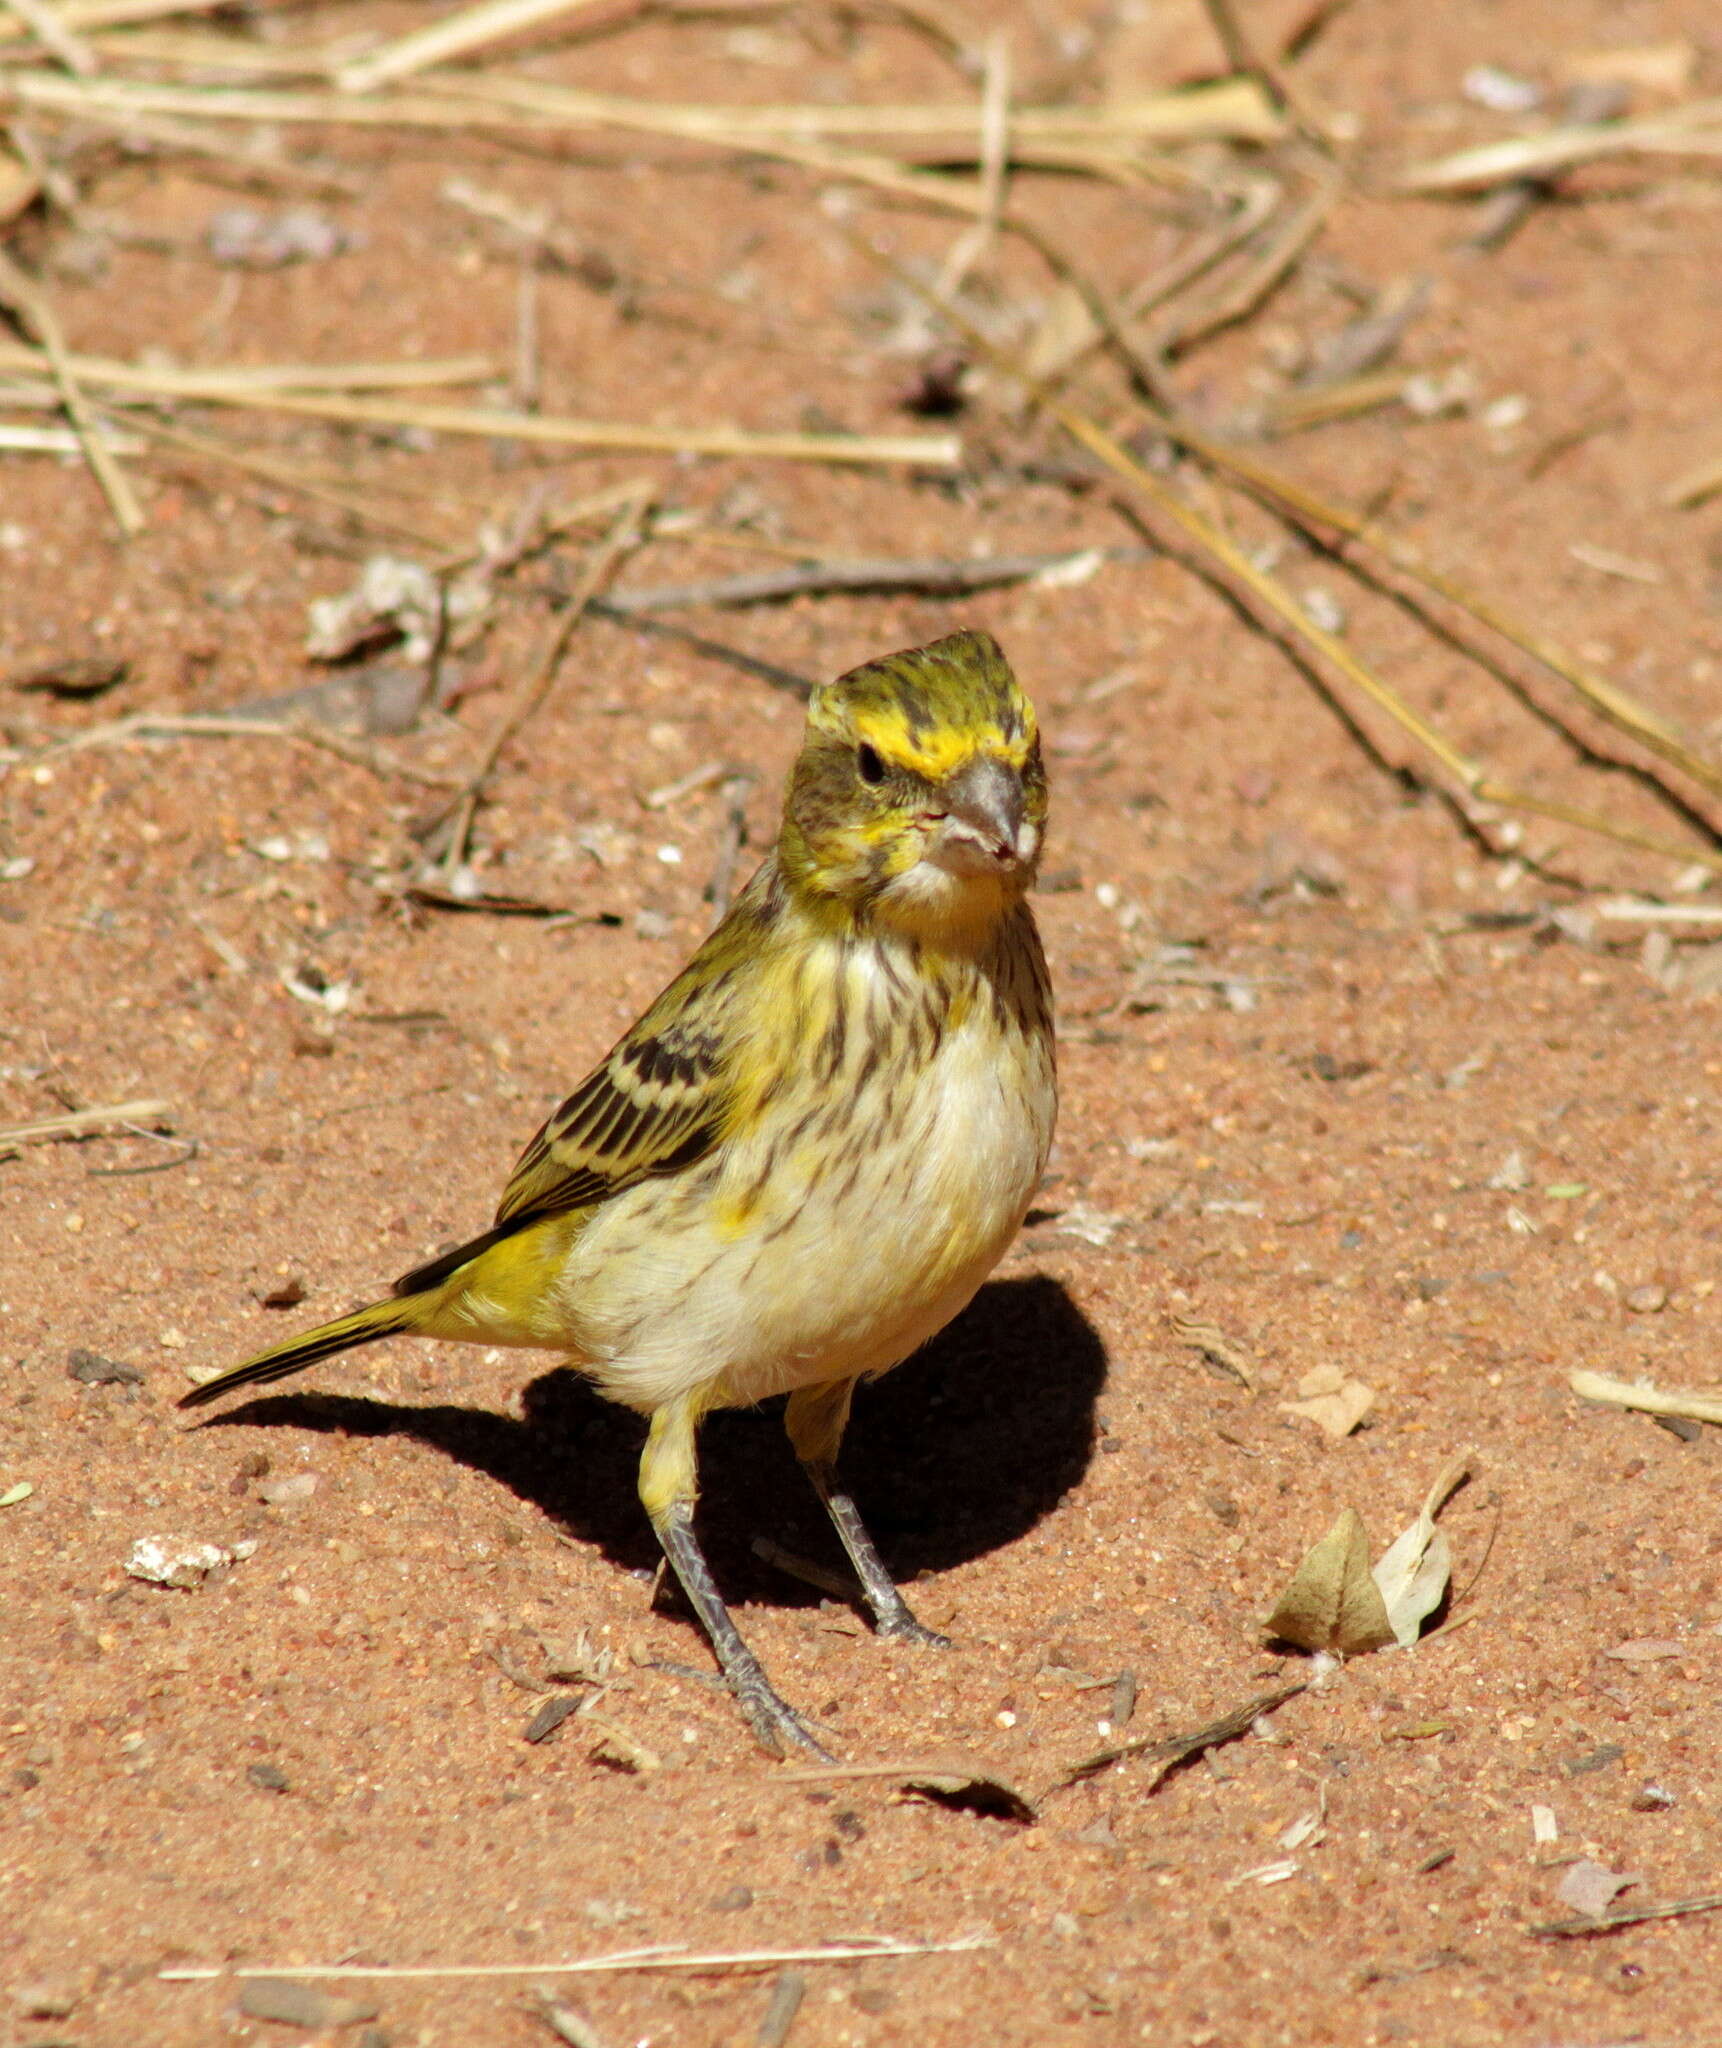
(1306,1166)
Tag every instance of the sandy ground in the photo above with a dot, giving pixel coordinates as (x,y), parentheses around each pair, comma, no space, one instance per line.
(1337,1085)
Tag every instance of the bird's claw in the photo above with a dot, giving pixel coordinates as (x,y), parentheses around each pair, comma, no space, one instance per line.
(777,1727)
(906,1629)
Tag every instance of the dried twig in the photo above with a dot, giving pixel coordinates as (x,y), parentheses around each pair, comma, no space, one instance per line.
(1696,487)
(665,1958)
(1612,1393)
(1232,110)
(47,23)
(932,575)
(78,15)
(1629,1916)
(242,382)
(78,1123)
(1692,130)
(452,35)
(1171,1750)
(214,725)
(29,302)
(601,564)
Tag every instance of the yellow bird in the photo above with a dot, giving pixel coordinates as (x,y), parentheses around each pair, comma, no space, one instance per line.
(811,1150)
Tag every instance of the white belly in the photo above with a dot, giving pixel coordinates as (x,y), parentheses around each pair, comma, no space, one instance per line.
(846,1264)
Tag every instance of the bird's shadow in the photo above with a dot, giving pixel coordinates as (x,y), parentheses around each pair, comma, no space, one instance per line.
(961,1450)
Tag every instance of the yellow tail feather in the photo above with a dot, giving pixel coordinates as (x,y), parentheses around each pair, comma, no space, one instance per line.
(364,1326)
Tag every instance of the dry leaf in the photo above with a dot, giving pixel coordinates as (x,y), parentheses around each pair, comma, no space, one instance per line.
(1590,1887)
(1333,1603)
(1331,1401)
(1596,1386)
(1415,1569)
(1646,1649)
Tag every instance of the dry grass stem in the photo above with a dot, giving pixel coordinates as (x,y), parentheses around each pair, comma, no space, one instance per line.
(62,42)
(1607,699)
(1612,1393)
(1213,542)
(1693,130)
(146,725)
(79,15)
(1629,1916)
(934,576)
(317,393)
(79,1123)
(1233,110)
(28,301)
(601,563)
(1259,281)
(972,245)
(624,1960)
(1695,488)
(22,440)
(271,469)
(239,382)
(453,35)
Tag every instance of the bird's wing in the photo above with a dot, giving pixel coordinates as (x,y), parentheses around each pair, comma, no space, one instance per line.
(662,1098)
(656,1103)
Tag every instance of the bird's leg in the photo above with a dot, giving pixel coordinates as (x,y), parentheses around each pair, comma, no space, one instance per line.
(668,1488)
(815,1420)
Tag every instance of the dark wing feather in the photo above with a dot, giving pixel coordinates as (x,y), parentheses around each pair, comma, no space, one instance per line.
(660,1100)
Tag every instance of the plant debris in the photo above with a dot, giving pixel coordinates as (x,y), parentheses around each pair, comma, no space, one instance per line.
(1415,1570)
(1333,1602)
(1335,1403)
(1693,1406)
(1169,1751)
(1337,1603)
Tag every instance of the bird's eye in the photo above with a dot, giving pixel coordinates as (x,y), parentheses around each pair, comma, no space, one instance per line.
(871,764)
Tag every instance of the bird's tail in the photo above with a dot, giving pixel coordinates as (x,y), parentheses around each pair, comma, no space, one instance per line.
(363,1326)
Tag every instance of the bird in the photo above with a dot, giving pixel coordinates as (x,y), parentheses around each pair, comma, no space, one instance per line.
(805,1157)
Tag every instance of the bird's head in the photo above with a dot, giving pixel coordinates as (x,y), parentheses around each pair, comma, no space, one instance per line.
(919,797)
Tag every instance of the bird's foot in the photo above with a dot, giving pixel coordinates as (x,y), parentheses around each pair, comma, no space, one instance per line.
(893,1618)
(777,1727)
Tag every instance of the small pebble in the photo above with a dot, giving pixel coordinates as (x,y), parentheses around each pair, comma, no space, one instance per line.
(301,2005)
(267,1777)
(288,1492)
(93,1370)
(1647,1300)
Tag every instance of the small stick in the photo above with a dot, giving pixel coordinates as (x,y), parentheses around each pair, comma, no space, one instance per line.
(1681,133)
(1259,281)
(823,1581)
(452,35)
(732,839)
(933,575)
(1622,910)
(50,29)
(779,2016)
(83,14)
(200,725)
(288,476)
(1596,1386)
(669,1958)
(923,451)
(1171,1750)
(32,306)
(1243,57)
(79,1122)
(240,382)
(1696,487)
(1629,1916)
(973,243)
(601,563)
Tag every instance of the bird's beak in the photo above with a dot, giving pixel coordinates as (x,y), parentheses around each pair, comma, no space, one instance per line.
(985,829)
